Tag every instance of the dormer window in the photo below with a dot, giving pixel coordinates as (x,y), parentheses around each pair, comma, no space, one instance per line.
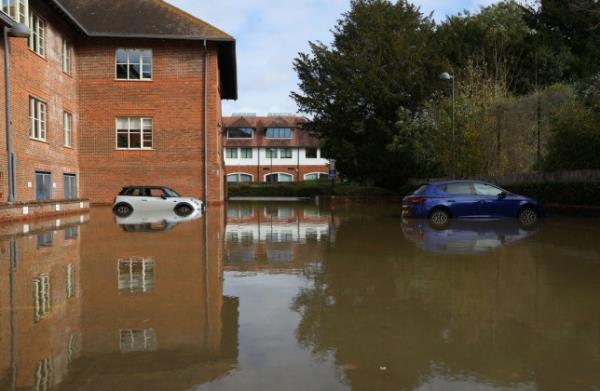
(279,133)
(240,132)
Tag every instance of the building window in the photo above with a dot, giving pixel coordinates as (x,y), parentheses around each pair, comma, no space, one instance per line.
(240,132)
(136,276)
(43,186)
(315,176)
(68,128)
(37,119)
(134,64)
(279,177)
(37,39)
(246,153)
(70,281)
(138,340)
(311,153)
(239,178)
(41,297)
(43,375)
(285,153)
(134,133)
(279,133)
(231,153)
(70,181)
(16,9)
(45,239)
(66,56)
(271,153)
(71,232)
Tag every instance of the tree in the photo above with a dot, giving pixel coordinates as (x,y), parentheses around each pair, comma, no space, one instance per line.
(381,61)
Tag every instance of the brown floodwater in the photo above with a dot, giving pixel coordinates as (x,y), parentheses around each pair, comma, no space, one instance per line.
(299,297)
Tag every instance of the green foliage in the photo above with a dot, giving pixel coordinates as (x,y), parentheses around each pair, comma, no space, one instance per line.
(307,189)
(379,63)
(527,86)
(581,194)
(575,141)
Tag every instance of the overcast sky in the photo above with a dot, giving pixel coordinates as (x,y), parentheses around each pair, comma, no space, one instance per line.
(269,35)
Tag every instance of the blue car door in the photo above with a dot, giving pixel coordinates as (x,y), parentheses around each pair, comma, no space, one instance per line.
(493,201)
(461,199)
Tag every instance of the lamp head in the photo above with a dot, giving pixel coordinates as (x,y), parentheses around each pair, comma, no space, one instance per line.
(446,76)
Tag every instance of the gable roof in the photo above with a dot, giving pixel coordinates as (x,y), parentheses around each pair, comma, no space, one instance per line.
(153,19)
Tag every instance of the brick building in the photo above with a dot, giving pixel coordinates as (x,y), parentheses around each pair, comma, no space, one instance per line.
(271,149)
(105,94)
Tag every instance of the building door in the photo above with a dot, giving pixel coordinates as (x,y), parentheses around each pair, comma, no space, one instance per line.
(43,186)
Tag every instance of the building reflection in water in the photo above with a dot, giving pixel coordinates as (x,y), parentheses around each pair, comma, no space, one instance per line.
(273,236)
(94,305)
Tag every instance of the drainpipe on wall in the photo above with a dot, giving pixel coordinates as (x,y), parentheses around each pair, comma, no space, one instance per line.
(206,59)
(19,30)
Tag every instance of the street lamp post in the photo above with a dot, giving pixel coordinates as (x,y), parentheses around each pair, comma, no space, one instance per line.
(448,77)
(19,30)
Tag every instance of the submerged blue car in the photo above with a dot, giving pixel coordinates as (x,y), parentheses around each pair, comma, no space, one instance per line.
(441,201)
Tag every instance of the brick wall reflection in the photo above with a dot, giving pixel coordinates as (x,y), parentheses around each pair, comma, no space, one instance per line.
(125,309)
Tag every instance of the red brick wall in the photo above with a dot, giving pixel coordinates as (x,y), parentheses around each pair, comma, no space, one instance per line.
(259,172)
(32,75)
(175,101)
(3,158)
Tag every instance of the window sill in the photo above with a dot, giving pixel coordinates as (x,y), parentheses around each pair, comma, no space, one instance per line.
(39,140)
(37,54)
(135,149)
(134,80)
(68,147)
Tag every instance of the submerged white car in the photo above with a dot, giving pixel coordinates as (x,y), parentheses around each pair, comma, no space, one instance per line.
(154,199)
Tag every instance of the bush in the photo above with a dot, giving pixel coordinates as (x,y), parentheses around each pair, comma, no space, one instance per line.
(307,189)
(584,194)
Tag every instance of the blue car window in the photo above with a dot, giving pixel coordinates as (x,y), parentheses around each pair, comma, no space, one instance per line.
(458,189)
(486,190)
(421,190)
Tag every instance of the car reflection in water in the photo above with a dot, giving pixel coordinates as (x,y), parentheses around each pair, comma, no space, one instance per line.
(154,221)
(466,236)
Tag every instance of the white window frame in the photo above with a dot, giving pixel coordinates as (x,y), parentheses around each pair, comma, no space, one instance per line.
(278,174)
(241,173)
(130,340)
(38,112)
(37,39)
(141,63)
(274,151)
(129,286)
(235,153)
(143,132)
(240,138)
(278,128)
(19,10)
(284,151)
(68,129)
(246,157)
(315,173)
(70,281)
(41,297)
(66,55)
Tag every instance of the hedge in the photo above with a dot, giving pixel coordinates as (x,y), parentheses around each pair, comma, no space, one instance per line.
(581,193)
(306,189)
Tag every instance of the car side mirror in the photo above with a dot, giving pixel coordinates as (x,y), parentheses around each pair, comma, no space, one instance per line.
(502,195)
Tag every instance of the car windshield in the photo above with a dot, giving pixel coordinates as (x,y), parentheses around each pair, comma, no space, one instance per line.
(171,192)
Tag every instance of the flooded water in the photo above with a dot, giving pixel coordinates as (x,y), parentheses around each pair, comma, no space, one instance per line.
(299,297)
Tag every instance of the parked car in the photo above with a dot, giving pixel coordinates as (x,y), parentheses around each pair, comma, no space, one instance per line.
(464,236)
(154,221)
(154,199)
(441,201)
